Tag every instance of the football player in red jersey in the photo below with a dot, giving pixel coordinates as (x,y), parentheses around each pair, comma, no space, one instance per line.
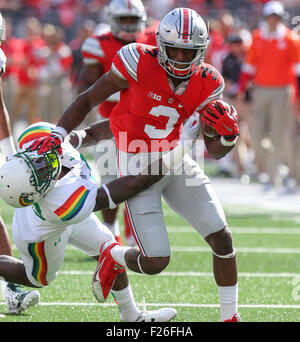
(127,19)
(17,299)
(160,88)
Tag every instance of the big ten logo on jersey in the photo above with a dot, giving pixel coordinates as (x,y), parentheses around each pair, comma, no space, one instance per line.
(154,96)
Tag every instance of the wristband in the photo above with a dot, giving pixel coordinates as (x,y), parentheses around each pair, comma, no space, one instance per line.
(224,142)
(61,131)
(79,139)
(112,204)
(7,146)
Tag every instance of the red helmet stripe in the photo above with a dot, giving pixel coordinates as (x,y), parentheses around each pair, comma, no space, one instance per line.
(186,20)
(129,4)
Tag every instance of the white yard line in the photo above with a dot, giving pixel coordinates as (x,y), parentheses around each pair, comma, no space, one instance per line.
(198,249)
(236,230)
(240,250)
(240,230)
(199,274)
(190,305)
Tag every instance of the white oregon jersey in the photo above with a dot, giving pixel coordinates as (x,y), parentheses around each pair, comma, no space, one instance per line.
(70,201)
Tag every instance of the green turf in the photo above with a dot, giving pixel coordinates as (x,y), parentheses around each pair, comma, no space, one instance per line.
(69,297)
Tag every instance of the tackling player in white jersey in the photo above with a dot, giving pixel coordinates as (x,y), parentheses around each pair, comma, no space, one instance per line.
(55,198)
(16,298)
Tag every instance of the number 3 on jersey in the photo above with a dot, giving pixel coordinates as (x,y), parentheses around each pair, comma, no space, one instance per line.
(171,113)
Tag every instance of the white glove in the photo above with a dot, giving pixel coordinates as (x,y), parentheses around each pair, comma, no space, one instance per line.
(191,129)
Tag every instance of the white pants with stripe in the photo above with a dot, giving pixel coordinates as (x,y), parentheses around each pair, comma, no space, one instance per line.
(187,191)
(44,258)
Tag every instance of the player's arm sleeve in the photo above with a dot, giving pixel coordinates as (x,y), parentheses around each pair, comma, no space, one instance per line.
(125,63)
(214,87)
(92,51)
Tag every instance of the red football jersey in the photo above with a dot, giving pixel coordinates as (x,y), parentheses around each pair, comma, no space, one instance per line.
(102,49)
(150,113)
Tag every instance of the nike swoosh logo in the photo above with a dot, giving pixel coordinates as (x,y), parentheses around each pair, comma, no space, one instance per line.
(96,274)
(227,128)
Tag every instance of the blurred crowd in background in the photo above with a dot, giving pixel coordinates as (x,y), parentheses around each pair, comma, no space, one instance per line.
(43,40)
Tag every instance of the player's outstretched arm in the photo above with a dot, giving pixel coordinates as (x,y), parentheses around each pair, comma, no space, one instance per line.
(73,116)
(91,135)
(106,85)
(121,189)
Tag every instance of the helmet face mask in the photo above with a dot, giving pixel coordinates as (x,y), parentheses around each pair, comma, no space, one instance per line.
(27,177)
(118,9)
(45,168)
(182,28)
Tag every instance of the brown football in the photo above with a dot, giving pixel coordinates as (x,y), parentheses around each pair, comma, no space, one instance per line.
(209,131)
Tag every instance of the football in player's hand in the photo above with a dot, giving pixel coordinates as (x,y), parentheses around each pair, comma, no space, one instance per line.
(209,131)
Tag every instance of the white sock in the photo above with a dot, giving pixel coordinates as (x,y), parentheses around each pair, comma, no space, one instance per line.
(3,283)
(118,253)
(128,310)
(228,296)
(114,227)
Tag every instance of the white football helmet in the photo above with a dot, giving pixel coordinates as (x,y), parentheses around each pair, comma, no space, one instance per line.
(28,176)
(182,28)
(273,7)
(126,8)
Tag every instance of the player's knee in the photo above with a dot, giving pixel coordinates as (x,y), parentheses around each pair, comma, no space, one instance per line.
(221,242)
(154,265)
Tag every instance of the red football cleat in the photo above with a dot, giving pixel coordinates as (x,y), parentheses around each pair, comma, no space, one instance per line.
(236,318)
(106,272)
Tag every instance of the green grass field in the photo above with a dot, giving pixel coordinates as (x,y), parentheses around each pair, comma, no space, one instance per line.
(269,276)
